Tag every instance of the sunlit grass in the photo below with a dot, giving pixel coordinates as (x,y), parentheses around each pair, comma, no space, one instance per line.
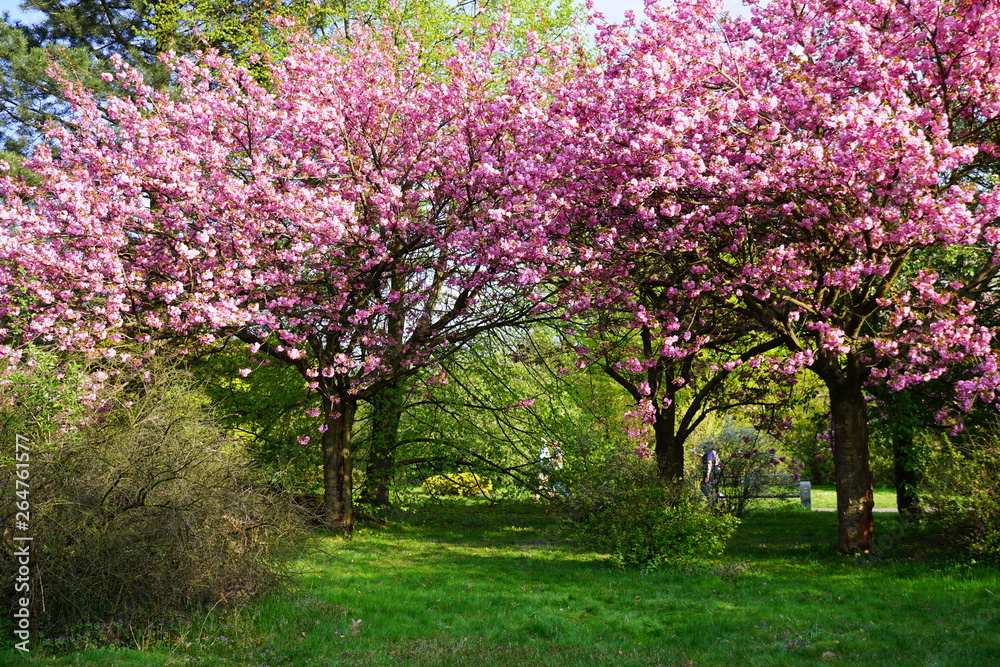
(826,496)
(469,583)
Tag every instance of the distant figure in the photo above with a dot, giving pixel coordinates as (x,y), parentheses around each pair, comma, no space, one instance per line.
(557,464)
(557,457)
(549,460)
(709,474)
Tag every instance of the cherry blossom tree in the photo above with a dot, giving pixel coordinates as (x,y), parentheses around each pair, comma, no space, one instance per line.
(639,110)
(885,150)
(353,221)
(807,159)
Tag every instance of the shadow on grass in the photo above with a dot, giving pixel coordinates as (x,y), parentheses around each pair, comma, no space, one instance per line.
(785,535)
(465,582)
(472,523)
(778,536)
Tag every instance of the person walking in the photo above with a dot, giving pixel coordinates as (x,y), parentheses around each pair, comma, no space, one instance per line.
(709,473)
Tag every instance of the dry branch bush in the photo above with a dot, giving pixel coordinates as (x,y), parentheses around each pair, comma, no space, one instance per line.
(749,465)
(141,506)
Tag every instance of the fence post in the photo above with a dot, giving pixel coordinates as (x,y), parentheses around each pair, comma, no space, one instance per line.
(805,494)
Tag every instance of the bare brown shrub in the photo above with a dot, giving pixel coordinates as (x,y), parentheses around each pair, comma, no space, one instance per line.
(141,506)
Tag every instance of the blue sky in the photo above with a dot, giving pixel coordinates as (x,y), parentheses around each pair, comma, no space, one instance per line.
(614,10)
(11,6)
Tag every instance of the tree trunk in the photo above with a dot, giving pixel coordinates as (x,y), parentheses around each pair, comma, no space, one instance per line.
(669,448)
(338,483)
(904,411)
(905,475)
(852,469)
(387,409)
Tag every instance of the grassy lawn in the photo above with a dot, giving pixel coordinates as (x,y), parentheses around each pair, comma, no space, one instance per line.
(471,583)
(826,496)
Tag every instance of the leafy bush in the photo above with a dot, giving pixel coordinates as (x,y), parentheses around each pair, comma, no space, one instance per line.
(457,484)
(279,432)
(141,507)
(640,521)
(961,487)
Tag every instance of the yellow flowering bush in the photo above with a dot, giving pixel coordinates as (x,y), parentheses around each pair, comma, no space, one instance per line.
(457,484)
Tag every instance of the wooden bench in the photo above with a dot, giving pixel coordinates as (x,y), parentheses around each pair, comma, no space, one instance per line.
(786,486)
(783,486)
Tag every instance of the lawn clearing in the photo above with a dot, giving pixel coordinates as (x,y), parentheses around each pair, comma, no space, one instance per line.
(471,583)
(825,496)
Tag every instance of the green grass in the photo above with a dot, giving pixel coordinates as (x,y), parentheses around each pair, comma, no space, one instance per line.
(826,496)
(470,583)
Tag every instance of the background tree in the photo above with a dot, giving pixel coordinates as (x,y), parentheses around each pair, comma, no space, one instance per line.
(29,96)
(79,37)
(244,28)
(674,386)
(517,390)
(268,410)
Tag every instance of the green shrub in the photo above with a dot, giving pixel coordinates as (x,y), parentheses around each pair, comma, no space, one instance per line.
(457,484)
(141,506)
(961,487)
(640,521)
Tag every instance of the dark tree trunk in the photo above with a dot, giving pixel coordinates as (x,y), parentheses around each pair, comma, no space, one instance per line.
(387,409)
(852,468)
(338,483)
(904,411)
(905,475)
(669,448)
